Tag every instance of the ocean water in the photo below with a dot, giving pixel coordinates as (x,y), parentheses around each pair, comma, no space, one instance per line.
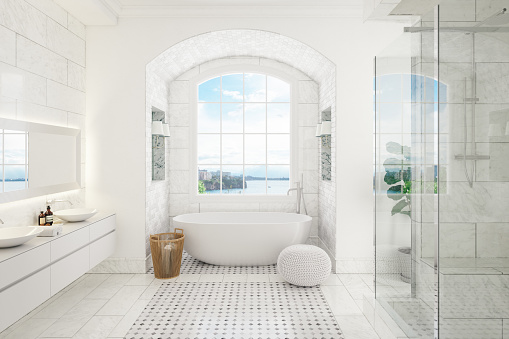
(258,187)
(13,186)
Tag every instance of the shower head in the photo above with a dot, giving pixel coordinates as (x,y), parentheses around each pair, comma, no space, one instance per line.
(497,19)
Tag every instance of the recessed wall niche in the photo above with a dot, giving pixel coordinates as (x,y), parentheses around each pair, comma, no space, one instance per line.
(325,148)
(158,148)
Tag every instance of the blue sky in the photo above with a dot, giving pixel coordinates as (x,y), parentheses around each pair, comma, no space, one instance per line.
(244,112)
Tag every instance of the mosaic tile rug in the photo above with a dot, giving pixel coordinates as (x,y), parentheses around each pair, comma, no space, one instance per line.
(232,310)
(191,265)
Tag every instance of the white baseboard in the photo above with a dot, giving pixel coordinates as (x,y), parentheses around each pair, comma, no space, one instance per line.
(355,265)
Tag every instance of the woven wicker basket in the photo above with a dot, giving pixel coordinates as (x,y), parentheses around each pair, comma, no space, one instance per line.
(166,251)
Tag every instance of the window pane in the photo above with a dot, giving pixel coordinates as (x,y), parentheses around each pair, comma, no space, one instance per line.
(210,91)
(278,149)
(255,180)
(232,149)
(254,87)
(209,118)
(277,90)
(15,148)
(233,179)
(278,118)
(278,179)
(15,176)
(255,118)
(208,180)
(1,151)
(232,88)
(232,118)
(208,149)
(255,149)
(1,178)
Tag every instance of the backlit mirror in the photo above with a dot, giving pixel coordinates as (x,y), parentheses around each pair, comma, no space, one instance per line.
(37,159)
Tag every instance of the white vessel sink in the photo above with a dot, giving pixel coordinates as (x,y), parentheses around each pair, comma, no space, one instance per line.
(76,214)
(15,236)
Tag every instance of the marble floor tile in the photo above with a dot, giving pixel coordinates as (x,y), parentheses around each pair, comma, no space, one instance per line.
(141,279)
(110,286)
(332,280)
(358,293)
(122,302)
(211,278)
(276,278)
(98,327)
(70,323)
(340,301)
(188,277)
(258,278)
(351,279)
(149,292)
(30,329)
(120,331)
(356,327)
(235,278)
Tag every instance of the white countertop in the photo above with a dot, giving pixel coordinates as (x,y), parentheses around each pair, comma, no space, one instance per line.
(7,253)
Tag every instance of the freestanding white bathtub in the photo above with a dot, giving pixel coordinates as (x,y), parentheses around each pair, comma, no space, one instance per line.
(241,238)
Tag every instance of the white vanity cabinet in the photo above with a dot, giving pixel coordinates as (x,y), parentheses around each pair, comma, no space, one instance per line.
(33,272)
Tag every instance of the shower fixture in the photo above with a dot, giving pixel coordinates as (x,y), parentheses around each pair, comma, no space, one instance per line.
(497,19)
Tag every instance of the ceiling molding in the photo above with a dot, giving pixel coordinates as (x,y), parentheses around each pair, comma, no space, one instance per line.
(241,11)
(91,12)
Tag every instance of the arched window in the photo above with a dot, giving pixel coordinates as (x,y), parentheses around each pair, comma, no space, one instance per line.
(243,135)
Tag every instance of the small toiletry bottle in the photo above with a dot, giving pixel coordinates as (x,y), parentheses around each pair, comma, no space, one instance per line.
(49,216)
(42,219)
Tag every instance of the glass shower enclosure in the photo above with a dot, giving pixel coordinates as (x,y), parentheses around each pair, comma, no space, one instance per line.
(441,173)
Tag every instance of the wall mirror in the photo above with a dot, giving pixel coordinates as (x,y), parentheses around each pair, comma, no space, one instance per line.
(37,159)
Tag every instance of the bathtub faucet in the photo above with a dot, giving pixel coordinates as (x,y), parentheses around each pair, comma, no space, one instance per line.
(300,195)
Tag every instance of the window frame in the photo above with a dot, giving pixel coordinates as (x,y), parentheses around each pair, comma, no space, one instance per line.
(193,133)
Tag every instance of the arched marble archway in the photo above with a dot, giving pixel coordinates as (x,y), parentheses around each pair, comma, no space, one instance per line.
(197,50)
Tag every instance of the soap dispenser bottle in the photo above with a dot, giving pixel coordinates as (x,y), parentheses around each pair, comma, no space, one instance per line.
(42,219)
(49,216)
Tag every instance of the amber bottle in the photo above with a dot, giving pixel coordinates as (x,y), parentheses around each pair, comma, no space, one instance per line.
(49,216)
(42,219)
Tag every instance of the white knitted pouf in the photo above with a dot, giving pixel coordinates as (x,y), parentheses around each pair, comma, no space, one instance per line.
(304,265)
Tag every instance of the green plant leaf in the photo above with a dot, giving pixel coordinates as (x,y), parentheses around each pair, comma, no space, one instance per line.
(399,207)
(395,188)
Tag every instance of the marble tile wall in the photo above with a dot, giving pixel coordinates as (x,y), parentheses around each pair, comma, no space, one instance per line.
(157,206)
(42,67)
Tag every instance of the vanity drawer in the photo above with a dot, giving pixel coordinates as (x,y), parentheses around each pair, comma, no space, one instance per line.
(102,227)
(69,269)
(20,299)
(68,243)
(24,264)
(102,249)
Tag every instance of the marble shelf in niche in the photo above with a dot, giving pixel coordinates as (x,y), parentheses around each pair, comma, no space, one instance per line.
(158,149)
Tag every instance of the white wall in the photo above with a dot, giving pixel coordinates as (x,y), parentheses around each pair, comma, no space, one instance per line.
(42,79)
(116,59)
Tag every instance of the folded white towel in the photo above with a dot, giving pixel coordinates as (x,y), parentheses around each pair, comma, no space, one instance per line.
(51,231)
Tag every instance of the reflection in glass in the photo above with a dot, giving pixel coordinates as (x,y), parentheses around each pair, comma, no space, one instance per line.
(232,88)
(233,179)
(255,118)
(209,117)
(232,118)
(255,148)
(232,149)
(209,181)
(278,149)
(15,148)
(278,118)
(209,150)
(15,177)
(390,118)
(277,90)
(209,91)
(255,180)
(278,179)
(254,87)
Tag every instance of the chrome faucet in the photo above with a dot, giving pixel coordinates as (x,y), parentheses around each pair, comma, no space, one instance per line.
(1,222)
(300,195)
(52,201)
